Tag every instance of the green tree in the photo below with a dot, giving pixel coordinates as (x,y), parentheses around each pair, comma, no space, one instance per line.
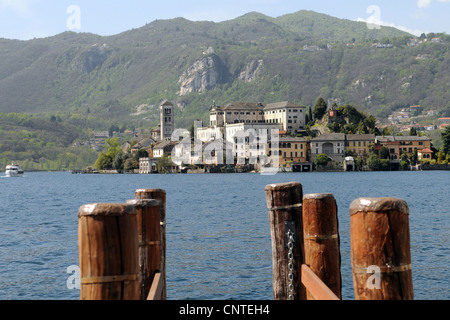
(320,109)
(414,157)
(104,162)
(119,161)
(446,140)
(440,157)
(105,159)
(321,160)
(374,162)
(130,164)
(163,164)
(404,165)
(413,131)
(384,153)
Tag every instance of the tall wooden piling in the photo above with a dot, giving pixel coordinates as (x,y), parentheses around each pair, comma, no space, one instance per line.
(108,252)
(160,196)
(380,249)
(321,240)
(284,203)
(149,237)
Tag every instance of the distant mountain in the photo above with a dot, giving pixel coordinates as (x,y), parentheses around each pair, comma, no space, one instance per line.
(298,57)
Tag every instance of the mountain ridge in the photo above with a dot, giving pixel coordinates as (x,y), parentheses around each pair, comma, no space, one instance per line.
(299,56)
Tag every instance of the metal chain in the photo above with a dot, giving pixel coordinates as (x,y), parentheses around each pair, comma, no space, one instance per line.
(291,265)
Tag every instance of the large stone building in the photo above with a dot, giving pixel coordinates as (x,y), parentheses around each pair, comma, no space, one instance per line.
(359,144)
(289,115)
(397,145)
(331,144)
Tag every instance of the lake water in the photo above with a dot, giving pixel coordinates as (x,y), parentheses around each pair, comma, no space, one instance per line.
(218,238)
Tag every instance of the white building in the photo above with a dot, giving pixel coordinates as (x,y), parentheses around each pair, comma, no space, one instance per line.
(291,116)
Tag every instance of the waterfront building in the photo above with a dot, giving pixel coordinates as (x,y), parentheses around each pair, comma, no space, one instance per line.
(290,151)
(425,154)
(331,144)
(147,165)
(249,141)
(398,145)
(359,144)
(236,112)
(291,116)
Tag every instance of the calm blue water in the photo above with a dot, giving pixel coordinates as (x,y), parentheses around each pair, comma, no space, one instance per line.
(218,239)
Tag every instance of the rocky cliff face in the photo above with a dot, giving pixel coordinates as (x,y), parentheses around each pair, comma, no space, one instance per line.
(252,71)
(203,75)
(92,58)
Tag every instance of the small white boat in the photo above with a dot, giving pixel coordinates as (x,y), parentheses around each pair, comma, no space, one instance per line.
(13,170)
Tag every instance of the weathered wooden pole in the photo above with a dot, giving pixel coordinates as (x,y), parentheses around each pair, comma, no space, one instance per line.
(108,252)
(284,203)
(149,237)
(321,240)
(159,195)
(380,249)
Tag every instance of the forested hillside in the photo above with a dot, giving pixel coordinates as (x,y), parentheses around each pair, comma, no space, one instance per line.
(298,57)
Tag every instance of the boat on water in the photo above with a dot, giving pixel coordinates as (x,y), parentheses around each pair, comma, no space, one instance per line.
(13,170)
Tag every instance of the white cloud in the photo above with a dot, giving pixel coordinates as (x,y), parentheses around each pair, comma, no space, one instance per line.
(423,3)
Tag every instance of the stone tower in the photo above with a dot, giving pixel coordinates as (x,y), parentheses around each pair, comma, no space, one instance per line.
(167,119)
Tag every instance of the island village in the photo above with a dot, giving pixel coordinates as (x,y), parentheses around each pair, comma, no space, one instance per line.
(253,137)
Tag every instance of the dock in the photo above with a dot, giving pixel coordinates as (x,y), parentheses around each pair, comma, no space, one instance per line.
(122,247)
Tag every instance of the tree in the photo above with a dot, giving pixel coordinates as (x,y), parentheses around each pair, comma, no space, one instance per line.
(446,140)
(320,109)
(105,159)
(321,160)
(163,164)
(404,165)
(384,153)
(130,164)
(414,157)
(413,131)
(104,162)
(119,161)
(374,162)
(440,157)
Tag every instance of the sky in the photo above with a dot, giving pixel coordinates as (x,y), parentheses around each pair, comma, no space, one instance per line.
(28,19)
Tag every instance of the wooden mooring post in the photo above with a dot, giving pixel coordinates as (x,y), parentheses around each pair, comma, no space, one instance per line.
(122,248)
(310,269)
(380,249)
(149,237)
(158,290)
(108,252)
(284,203)
(321,240)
